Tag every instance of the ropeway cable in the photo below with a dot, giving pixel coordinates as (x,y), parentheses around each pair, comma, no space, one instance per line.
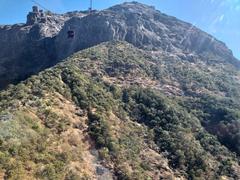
(40,5)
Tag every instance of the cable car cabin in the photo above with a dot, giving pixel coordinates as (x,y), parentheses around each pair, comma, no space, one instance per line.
(70,34)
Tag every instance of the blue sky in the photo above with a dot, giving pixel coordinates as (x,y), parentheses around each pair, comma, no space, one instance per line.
(220,18)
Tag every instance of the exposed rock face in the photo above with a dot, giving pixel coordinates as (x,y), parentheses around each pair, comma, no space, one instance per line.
(42,41)
(29,48)
(142,26)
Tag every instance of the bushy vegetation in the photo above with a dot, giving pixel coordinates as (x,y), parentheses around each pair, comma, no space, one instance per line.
(178,133)
(25,148)
(196,134)
(220,116)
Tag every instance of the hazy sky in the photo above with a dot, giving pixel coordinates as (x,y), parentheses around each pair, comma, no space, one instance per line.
(220,18)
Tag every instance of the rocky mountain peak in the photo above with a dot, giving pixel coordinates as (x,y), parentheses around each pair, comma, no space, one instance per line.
(43,40)
(132,7)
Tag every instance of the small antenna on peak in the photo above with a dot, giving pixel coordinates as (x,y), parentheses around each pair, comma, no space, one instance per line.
(90,7)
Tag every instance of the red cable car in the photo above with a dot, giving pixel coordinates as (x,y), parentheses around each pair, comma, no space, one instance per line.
(70,34)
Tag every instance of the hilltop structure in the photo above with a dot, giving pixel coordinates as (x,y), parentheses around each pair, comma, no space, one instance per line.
(36,16)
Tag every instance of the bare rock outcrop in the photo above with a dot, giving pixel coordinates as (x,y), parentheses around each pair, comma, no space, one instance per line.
(29,48)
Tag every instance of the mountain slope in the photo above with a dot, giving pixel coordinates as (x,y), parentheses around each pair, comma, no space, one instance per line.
(106,112)
(29,48)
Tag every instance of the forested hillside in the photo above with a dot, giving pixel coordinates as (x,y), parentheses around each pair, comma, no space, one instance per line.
(115,111)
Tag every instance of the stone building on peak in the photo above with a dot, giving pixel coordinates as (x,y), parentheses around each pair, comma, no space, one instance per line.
(36,16)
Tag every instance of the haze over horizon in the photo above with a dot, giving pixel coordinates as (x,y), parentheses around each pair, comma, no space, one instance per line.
(217,17)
